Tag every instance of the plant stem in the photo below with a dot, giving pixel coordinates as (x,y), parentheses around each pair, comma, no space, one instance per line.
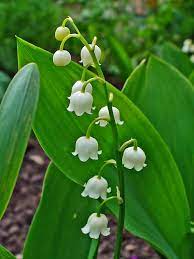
(118,157)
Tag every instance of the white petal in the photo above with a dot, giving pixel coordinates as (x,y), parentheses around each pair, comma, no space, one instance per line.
(109,190)
(83,157)
(84,193)
(94,234)
(103,195)
(70,108)
(120,122)
(105,232)
(85,229)
(74,153)
(99,152)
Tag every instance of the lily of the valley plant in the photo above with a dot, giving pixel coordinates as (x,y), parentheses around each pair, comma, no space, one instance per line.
(126,154)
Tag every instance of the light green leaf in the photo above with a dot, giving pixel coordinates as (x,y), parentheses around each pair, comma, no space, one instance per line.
(56,228)
(177,58)
(156,205)
(167,98)
(16,114)
(5,254)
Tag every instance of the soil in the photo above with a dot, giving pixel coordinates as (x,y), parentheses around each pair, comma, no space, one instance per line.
(15,224)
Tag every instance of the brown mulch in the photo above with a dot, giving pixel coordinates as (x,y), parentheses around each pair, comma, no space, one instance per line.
(25,199)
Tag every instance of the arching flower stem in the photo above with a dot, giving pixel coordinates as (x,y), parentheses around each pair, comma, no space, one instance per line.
(96,78)
(92,124)
(108,162)
(105,201)
(128,143)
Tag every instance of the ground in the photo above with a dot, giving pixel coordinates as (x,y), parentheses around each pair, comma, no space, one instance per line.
(15,224)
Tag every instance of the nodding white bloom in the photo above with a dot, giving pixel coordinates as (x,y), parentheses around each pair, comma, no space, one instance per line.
(61,32)
(185,48)
(80,103)
(78,87)
(105,113)
(187,42)
(86,58)
(96,187)
(192,58)
(87,148)
(134,158)
(61,58)
(96,225)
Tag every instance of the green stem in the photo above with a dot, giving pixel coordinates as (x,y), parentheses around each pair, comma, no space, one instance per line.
(108,162)
(74,35)
(104,202)
(89,81)
(92,124)
(127,143)
(116,144)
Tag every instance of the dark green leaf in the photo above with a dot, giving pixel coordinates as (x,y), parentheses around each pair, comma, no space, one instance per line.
(16,114)
(121,56)
(177,58)
(56,228)
(156,204)
(4,81)
(167,98)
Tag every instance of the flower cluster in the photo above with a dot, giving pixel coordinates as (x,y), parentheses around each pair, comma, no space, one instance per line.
(188,47)
(87,147)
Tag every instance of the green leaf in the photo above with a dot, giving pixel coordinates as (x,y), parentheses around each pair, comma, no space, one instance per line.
(156,206)
(16,114)
(167,98)
(177,58)
(4,81)
(5,254)
(56,228)
(121,56)
(191,78)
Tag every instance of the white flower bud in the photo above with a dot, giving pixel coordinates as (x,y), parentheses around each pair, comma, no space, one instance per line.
(61,32)
(185,48)
(134,158)
(104,112)
(86,148)
(86,58)
(191,49)
(80,103)
(61,58)
(96,225)
(96,187)
(192,58)
(187,42)
(78,87)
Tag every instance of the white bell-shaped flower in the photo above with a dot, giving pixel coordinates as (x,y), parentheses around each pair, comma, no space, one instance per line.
(78,87)
(80,103)
(96,225)
(192,58)
(86,58)
(133,158)
(61,32)
(104,112)
(61,58)
(87,148)
(96,187)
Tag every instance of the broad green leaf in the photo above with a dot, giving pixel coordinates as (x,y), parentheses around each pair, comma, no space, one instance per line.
(120,56)
(56,228)
(177,58)
(167,98)
(156,204)
(16,114)
(4,81)
(5,254)
(191,77)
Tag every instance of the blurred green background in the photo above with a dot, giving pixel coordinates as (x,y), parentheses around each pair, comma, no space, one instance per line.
(124,28)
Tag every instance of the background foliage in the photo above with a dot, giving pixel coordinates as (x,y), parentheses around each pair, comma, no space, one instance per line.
(139,29)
